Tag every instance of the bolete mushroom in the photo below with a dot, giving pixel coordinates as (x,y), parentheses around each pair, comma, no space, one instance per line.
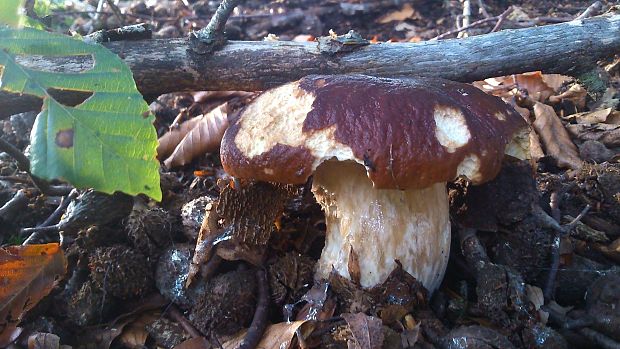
(381,151)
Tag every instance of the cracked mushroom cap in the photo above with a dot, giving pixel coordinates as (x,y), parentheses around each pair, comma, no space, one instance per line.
(408,133)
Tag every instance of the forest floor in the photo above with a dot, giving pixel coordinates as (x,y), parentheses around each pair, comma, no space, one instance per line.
(535,254)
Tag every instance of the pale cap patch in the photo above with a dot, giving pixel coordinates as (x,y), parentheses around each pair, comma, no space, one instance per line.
(450,128)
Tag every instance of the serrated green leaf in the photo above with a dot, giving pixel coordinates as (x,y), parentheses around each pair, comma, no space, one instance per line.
(106,142)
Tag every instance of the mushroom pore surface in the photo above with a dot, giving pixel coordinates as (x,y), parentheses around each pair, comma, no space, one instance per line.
(381,226)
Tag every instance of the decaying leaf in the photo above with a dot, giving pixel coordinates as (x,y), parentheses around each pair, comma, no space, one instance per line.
(43,341)
(28,274)
(204,137)
(607,134)
(536,296)
(367,330)
(406,12)
(575,94)
(135,334)
(554,137)
(538,86)
(592,117)
(194,343)
(204,242)
(283,335)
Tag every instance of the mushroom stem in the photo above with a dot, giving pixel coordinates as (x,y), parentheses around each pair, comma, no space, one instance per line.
(381,226)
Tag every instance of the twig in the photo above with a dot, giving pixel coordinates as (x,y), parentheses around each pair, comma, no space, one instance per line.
(18,202)
(555,246)
(64,203)
(36,232)
(22,161)
(117,12)
(592,10)
(15,179)
(466,18)
(474,24)
(259,322)
(211,37)
(502,18)
(177,316)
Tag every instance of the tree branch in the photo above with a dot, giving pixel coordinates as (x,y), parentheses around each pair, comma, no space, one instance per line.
(162,66)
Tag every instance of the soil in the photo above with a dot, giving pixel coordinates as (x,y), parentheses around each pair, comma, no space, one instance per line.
(123,251)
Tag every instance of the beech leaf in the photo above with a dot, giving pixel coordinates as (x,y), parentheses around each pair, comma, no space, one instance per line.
(554,137)
(367,330)
(204,137)
(282,335)
(28,274)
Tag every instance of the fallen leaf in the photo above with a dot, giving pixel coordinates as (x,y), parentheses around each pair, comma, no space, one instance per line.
(607,134)
(28,274)
(367,330)
(591,117)
(536,296)
(206,136)
(43,341)
(172,138)
(406,12)
(283,335)
(575,94)
(204,242)
(194,343)
(135,334)
(554,137)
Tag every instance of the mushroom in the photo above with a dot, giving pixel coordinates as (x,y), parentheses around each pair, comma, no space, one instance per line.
(381,151)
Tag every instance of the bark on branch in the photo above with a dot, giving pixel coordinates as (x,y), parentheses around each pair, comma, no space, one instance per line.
(161,66)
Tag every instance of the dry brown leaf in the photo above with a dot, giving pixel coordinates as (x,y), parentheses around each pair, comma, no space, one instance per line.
(575,94)
(554,137)
(204,242)
(536,297)
(194,343)
(406,12)
(536,150)
(607,134)
(367,330)
(591,117)
(135,334)
(281,336)
(43,341)
(172,138)
(28,274)
(206,136)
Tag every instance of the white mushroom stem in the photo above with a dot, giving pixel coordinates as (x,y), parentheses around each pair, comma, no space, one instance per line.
(381,226)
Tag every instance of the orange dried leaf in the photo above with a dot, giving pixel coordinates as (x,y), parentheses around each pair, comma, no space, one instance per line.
(206,136)
(27,274)
(367,330)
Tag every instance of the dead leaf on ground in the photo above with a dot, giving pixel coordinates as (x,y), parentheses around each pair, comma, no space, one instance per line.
(281,336)
(538,86)
(135,334)
(367,331)
(406,12)
(536,296)
(607,134)
(194,343)
(204,137)
(591,117)
(43,341)
(28,274)
(172,138)
(554,137)
(575,94)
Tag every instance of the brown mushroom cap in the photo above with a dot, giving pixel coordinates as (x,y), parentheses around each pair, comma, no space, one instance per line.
(408,133)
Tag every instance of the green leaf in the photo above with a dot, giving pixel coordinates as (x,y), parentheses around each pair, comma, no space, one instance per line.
(107,142)
(10,13)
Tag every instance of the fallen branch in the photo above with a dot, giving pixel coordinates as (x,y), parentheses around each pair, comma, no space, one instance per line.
(166,65)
